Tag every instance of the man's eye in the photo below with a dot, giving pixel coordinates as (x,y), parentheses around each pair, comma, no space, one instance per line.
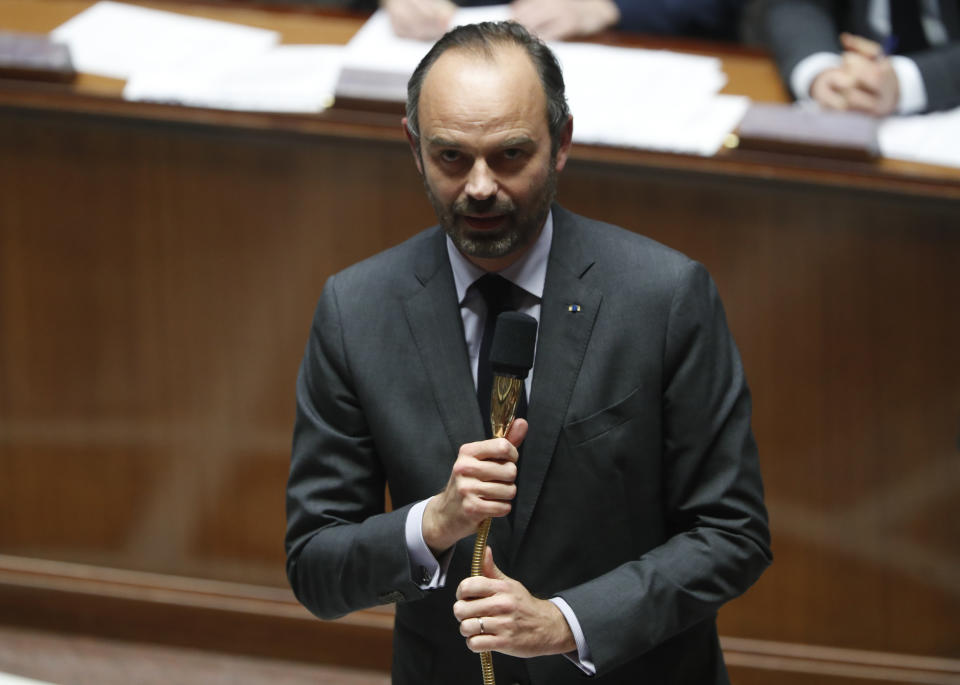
(449,155)
(512,153)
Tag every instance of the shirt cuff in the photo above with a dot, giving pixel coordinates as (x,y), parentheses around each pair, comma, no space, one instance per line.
(582,656)
(428,572)
(807,69)
(913,93)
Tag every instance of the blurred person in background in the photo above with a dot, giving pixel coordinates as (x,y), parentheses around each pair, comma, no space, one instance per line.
(880,57)
(561,19)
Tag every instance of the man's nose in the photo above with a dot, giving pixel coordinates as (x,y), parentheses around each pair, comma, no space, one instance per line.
(481,184)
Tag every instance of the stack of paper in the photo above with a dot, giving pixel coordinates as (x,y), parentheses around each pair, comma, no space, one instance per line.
(652,99)
(377,64)
(118,40)
(169,57)
(930,138)
(10,679)
(286,78)
(619,96)
(623,97)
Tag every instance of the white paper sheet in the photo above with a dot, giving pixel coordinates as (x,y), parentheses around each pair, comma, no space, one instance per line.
(619,96)
(377,63)
(117,40)
(930,138)
(626,97)
(376,45)
(651,99)
(10,679)
(286,78)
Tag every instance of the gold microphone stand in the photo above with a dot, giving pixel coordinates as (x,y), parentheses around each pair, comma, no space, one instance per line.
(503,409)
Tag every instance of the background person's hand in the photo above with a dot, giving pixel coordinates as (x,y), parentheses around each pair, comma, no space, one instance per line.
(865,82)
(559,19)
(419,19)
(876,89)
(830,88)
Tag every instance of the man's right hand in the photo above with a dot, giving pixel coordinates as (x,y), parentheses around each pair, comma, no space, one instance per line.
(481,486)
(831,87)
(419,19)
(866,81)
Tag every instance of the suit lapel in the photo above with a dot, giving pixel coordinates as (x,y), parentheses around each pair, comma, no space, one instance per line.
(434,317)
(563,338)
(433,314)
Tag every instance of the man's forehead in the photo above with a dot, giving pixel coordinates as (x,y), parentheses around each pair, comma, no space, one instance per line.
(492,51)
(465,83)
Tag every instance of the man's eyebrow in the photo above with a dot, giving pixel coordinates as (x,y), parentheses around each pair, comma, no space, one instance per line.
(517,141)
(439,141)
(514,141)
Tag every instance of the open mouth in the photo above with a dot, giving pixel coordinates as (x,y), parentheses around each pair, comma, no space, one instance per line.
(484,223)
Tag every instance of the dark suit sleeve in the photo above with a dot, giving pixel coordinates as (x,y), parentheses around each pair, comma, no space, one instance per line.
(343,551)
(940,69)
(796,29)
(699,18)
(717,538)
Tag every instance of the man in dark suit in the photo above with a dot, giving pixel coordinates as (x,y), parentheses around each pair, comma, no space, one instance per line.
(562,19)
(636,508)
(875,56)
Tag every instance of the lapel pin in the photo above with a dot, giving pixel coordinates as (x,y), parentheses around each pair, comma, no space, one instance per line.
(573,308)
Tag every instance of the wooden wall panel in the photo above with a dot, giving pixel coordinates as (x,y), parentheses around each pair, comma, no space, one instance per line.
(156,285)
(844,306)
(156,288)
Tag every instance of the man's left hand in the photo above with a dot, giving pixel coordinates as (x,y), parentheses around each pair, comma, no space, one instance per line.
(513,621)
(559,19)
(876,89)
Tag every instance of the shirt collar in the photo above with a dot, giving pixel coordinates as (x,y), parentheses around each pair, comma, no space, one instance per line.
(529,272)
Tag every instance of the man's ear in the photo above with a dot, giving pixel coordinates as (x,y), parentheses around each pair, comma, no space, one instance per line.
(566,140)
(414,145)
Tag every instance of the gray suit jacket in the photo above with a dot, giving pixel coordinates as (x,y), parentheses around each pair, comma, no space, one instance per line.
(639,494)
(796,29)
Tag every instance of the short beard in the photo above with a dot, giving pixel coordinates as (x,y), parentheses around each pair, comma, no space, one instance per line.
(520,228)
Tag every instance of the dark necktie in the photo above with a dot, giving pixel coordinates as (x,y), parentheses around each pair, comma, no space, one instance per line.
(499,295)
(906,25)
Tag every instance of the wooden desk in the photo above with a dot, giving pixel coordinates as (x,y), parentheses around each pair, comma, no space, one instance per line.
(158,269)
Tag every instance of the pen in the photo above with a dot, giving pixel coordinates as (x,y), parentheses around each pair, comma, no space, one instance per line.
(890,44)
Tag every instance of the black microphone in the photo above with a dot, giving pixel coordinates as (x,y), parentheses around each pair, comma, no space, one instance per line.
(511,357)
